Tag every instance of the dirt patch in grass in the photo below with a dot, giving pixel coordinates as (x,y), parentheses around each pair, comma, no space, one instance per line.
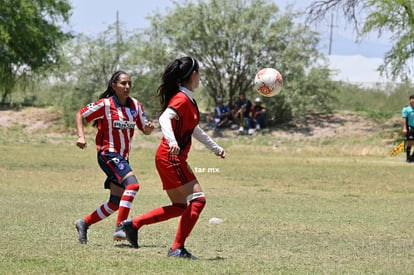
(30,119)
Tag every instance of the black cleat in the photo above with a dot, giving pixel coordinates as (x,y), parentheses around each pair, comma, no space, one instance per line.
(119,234)
(181,253)
(131,232)
(82,228)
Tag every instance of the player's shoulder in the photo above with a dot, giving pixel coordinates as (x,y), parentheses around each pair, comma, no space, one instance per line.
(179,98)
(408,108)
(135,101)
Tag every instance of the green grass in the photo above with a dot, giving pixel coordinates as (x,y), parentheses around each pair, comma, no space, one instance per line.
(296,208)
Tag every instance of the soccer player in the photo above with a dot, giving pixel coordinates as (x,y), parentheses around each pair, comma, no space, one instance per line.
(179,123)
(408,126)
(115,114)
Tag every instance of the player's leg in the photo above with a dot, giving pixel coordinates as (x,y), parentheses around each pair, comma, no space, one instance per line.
(192,194)
(102,212)
(131,185)
(121,174)
(408,150)
(131,226)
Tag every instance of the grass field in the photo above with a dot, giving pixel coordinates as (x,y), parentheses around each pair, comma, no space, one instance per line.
(296,209)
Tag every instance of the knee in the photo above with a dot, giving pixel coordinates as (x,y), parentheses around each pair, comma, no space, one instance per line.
(115,200)
(130,183)
(197,202)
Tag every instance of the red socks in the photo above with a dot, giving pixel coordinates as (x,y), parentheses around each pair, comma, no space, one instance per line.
(126,202)
(188,220)
(102,212)
(159,214)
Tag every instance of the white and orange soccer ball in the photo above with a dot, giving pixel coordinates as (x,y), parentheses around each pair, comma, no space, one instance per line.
(268,82)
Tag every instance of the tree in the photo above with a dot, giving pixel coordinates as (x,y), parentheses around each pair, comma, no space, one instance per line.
(233,39)
(394,16)
(89,62)
(31,36)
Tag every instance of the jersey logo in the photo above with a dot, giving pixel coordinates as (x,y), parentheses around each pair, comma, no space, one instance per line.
(124,124)
(195,117)
(134,113)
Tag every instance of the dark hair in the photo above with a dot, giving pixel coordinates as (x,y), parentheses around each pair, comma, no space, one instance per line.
(411,97)
(109,90)
(175,73)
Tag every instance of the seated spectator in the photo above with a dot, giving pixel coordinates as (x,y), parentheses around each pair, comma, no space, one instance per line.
(256,117)
(258,114)
(221,117)
(241,110)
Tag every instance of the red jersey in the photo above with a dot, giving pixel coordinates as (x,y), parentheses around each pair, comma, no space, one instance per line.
(183,124)
(116,123)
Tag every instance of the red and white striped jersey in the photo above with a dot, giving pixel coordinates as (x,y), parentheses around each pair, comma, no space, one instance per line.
(116,123)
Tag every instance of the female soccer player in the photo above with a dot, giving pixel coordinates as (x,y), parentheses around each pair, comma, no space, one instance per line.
(179,123)
(115,114)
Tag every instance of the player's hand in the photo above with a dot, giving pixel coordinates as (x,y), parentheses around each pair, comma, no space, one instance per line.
(148,128)
(174,149)
(81,143)
(222,154)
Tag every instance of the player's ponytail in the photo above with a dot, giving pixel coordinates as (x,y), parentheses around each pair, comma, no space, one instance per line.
(176,72)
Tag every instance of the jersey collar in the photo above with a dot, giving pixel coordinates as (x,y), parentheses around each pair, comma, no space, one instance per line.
(116,100)
(187,92)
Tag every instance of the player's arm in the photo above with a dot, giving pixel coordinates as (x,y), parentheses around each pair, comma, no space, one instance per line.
(144,124)
(404,125)
(81,142)
(167,131)
(202,137)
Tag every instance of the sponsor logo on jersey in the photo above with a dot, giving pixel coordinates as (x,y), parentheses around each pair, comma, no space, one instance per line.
(124,124)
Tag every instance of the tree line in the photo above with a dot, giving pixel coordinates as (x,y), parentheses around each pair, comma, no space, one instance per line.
(232,39)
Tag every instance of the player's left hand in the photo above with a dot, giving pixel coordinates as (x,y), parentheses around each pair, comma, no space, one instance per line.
(148,128)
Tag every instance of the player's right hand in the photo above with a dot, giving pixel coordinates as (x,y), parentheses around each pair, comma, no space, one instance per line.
(174,149)
(81,143)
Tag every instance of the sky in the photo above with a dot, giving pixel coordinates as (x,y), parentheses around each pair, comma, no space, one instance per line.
(354,62)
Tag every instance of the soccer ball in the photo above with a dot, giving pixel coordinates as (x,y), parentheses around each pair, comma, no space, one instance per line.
(268,82)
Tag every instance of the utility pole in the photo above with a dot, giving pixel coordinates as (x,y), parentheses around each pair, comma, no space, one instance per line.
(330,35)
(118,37)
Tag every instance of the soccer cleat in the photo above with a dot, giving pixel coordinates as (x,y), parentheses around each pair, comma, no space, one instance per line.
(131,232)
(82,228)
(119,234)
(181,253)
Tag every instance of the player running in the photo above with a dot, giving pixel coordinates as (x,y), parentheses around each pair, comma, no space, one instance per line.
(115,114)
(179,123)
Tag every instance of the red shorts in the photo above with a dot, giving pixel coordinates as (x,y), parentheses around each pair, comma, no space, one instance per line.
(173,170)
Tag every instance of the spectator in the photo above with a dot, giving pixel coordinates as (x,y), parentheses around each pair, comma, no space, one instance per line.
(256,117)
(241,110)
(408,126)
(221,116)
(258,114)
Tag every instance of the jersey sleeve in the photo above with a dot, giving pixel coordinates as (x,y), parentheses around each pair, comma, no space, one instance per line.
(93,111)
(141,118)
(404,112)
